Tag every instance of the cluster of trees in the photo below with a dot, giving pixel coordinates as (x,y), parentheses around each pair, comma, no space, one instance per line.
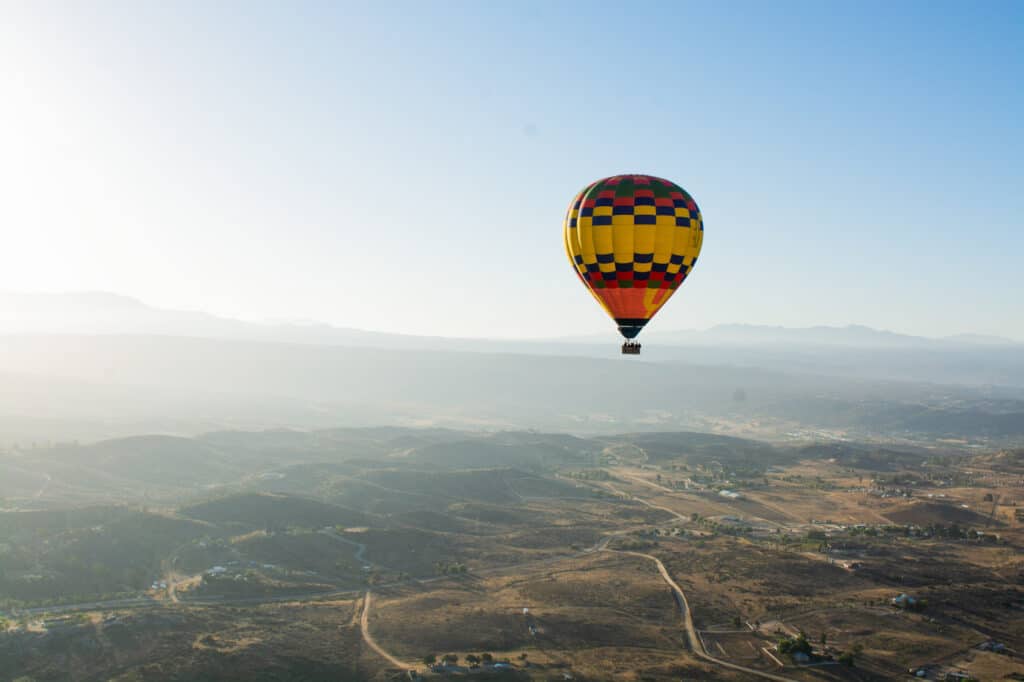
(795,645)
(896,480)
(453,659)
(888,529)
(590,475)
(674,483)
(952,531)
(450,568)
(816,483)
(635,544)
(723,528)
(956,531)
(801,645)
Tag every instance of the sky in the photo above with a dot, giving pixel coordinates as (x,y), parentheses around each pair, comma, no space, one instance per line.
(406,166)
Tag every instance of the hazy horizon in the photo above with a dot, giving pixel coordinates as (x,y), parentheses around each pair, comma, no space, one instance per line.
(10,324)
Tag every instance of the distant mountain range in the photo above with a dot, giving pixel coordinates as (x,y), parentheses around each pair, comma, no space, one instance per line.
(105,313)
(96,365)
(852,335)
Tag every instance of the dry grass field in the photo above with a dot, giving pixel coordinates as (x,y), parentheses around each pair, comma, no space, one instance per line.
(316,641)
(616,608)
(819,540)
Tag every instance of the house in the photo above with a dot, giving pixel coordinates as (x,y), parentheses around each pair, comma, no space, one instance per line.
(992,645)
(801,657)
(903,601)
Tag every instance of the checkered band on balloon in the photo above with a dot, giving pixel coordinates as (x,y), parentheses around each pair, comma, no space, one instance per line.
(633,232)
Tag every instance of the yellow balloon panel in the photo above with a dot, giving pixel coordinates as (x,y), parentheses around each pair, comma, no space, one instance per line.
(633,239)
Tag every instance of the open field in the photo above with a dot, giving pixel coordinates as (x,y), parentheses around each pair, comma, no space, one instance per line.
(765,542)
(312,641)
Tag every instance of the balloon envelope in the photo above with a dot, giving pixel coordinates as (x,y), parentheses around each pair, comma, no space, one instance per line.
(633,239)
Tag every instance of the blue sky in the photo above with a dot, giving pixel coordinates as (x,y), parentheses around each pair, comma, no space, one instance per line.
(405,167)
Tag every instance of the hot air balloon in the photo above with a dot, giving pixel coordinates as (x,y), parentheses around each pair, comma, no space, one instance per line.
(633,239)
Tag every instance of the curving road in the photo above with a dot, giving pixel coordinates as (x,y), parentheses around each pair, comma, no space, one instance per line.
(364,626)
(694,640)
(691,632)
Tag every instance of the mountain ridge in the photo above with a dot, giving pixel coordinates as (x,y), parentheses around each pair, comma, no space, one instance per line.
(98,312)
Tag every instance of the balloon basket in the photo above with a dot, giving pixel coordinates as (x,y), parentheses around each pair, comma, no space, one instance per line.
(631,348)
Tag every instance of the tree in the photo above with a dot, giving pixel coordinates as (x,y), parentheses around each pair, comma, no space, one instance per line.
(472,659)
(797,645)
(846,658)
(451,658)
(430,659)
(486,657)
(737,623)
(824,640)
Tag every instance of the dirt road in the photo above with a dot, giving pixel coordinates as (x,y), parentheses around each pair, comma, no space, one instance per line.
(691,632)
(364,626)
